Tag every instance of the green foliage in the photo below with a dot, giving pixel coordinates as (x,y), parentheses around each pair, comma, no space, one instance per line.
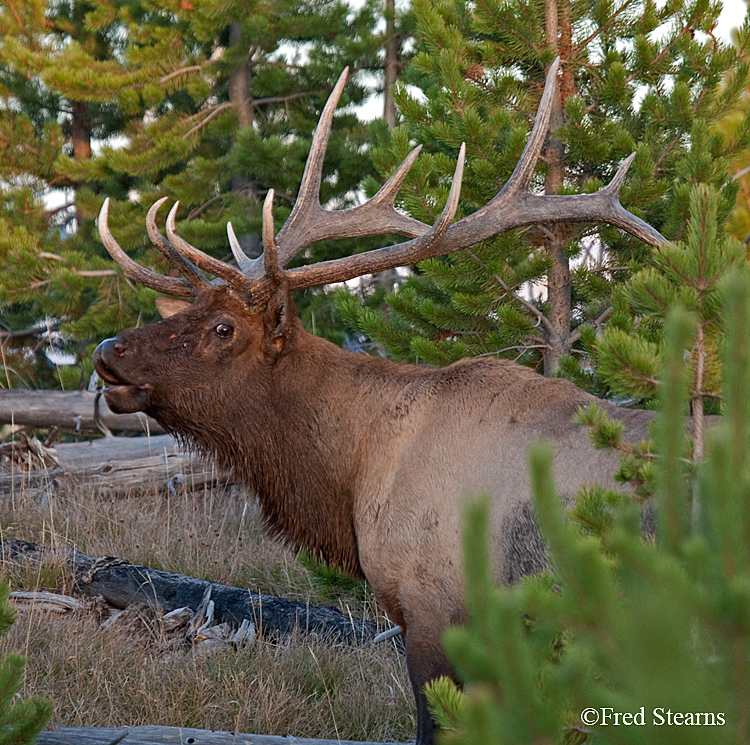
(21,720)
(636,458)
(734,123)
(331,582)
(476,78)
(689,272)
(606,432)
(653,629)
(447,703)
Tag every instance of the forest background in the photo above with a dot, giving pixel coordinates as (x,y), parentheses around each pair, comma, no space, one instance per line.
(138,100)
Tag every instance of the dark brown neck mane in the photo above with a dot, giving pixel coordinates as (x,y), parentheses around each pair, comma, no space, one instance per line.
(301,453)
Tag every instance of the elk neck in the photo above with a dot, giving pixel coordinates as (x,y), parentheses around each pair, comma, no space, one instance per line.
(300,450)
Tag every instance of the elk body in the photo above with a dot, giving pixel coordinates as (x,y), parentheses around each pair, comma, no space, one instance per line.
(361,460)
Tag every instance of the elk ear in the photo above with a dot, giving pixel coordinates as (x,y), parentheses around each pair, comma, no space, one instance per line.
(278,316)
(169,306)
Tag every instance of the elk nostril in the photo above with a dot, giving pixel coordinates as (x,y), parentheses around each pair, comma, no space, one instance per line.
(108,348)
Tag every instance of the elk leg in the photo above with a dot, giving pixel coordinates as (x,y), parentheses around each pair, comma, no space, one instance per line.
(425,661)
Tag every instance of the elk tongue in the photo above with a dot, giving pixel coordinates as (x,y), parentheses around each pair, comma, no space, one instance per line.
(127,399)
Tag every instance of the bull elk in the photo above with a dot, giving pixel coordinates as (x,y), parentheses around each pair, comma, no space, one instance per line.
(363,461)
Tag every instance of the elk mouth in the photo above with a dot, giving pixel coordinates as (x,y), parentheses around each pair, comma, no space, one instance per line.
(127,399)
(122,397)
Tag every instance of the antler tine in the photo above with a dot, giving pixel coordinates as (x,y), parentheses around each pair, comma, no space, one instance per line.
(270,251)
(174,286)
(188,270)
(202,260)
(388,191)
(244,262)
(310,187)
(308,198)
(381,208)
(411,252)
(619,178)
(521,177)
(449,211)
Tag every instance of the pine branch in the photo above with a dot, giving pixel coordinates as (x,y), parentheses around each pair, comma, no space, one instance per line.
(597,324)
(215,111)
(182,71)
(541,318)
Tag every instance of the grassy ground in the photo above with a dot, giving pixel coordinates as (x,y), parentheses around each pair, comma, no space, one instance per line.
(131,676)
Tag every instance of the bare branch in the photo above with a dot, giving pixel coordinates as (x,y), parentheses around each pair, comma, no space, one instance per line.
(214,113)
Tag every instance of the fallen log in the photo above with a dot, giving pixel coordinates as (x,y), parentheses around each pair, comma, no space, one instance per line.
(121,583)
(75,410)
(152,735)
(117,465)
(109,451)
(38,600)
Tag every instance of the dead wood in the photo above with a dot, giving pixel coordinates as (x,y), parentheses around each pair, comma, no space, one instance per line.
(76,410)
(27,454)
(39,600)
(152,735)
(121,584)
(116,465)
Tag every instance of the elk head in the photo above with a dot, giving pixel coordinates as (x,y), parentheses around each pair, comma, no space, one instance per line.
(246,314)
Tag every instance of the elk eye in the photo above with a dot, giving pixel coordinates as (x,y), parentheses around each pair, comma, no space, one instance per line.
(224,331)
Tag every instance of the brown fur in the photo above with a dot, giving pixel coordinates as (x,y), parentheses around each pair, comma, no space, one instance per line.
(364,461)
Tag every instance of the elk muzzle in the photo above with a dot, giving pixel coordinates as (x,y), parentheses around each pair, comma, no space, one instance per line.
(123,395)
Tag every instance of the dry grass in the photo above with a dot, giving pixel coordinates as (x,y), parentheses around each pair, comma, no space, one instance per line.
(301,686)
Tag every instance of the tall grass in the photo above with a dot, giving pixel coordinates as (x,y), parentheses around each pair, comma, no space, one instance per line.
(135,675)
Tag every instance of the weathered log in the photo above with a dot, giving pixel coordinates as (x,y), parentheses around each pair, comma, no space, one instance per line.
(38,600)
(76,410)
(152,735)
(117,464)
(121,583)
(110,451)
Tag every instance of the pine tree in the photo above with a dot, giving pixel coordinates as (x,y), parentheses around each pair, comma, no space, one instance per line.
(21,720)
(628,353)
(50,57)
(656,628)
(211,102)
(625,87)
(739,169)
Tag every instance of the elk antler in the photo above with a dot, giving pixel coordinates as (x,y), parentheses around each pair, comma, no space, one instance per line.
(167,285)
(513,207)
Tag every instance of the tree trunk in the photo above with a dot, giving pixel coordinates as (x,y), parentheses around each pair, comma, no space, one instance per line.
(698,395)
(391,63)
(81,136)
(81,131)
(559,281)
(241,97)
